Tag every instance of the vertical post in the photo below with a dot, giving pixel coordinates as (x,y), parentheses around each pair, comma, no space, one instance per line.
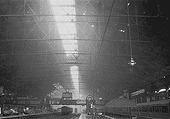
(24,7)
(104,102)
(79,89)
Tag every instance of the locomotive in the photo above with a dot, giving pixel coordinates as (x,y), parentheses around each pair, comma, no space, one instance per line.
(66,110)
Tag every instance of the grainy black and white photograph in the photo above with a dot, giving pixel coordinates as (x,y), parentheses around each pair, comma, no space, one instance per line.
(84,59)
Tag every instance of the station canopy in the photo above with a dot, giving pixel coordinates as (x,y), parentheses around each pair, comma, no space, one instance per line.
(121,102)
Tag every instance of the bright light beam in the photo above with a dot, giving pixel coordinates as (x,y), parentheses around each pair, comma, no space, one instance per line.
(64,11)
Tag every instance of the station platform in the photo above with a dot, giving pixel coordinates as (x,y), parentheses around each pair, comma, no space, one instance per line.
(85,116)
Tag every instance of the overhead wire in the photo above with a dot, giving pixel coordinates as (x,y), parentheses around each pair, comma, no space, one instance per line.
(102,40)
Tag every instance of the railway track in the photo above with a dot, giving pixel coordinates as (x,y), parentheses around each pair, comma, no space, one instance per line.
(70,116)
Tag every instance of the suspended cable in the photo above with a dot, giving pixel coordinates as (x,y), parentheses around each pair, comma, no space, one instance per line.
(132,61)
(102,42)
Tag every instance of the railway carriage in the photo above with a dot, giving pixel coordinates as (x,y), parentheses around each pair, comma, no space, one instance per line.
(157,109)
(148,110)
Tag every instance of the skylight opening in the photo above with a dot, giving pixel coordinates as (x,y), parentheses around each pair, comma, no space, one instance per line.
(74,74)
(63,9)
(63,2)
